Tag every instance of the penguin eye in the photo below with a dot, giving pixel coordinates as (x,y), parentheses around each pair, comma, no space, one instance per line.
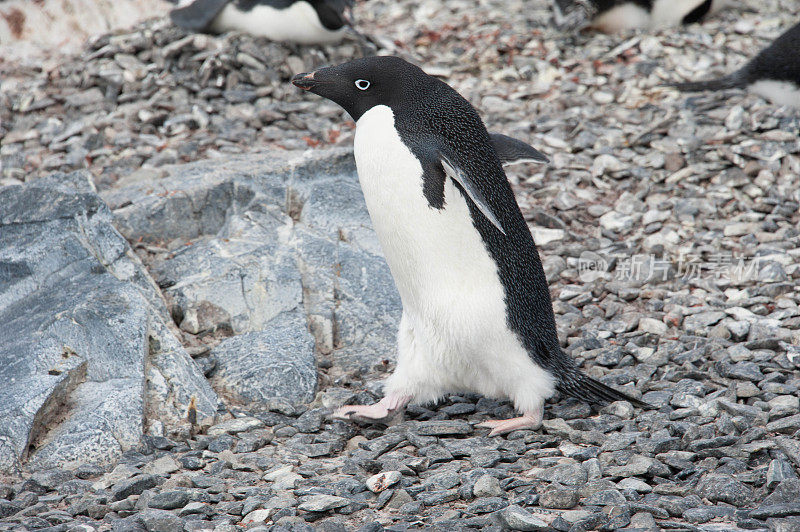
(362,84)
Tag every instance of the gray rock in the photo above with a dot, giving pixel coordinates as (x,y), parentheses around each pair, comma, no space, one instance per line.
(322,503)
(723,488)
(8,508)
(487,505)
(566,474)
(160,521)
(169,500)
(786,492)
(778,471)
(277,363)
(92,318)
(698,323)
(487,486)
(788,425)
(516,518)
(556,496)
(132,486)
(281,233)
(444,428)
(776,510)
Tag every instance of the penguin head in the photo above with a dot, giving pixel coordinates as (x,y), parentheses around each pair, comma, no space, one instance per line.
(362,84)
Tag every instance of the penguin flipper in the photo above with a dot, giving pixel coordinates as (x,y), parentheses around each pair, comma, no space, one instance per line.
(198,15)
(514,151)
(468,185)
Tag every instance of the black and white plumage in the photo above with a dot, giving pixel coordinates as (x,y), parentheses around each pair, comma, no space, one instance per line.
(295,21)
(477,314)
(618,15)
(773,74)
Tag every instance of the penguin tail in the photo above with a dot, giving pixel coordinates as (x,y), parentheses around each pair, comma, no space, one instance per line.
(731,81)
(584,388)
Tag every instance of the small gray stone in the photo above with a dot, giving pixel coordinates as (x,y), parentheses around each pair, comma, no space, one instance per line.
(787,425)
(776,510)
(487,505)
(169,500)
(381,481)
(160,521)
(487,486)
(724,488)
(132,486)
(609,497)
(778,471)
(444,428)
(516,518)
(235,426)
(322,503)
(555,496)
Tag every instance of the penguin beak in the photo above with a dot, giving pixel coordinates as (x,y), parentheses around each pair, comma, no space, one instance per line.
(304,81)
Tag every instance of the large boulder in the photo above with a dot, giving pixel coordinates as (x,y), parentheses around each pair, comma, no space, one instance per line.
(256,237)
(86,354)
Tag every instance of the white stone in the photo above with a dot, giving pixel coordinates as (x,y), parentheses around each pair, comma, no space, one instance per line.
(653,326)
(381,481)
(487,486)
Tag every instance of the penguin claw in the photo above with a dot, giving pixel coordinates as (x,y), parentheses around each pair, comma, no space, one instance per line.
(504,426)
(363,413)
(380,411)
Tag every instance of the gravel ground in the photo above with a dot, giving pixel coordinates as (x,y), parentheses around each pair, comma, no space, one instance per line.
(668,225)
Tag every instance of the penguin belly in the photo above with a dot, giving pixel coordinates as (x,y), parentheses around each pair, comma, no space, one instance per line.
(453,335)
(623,17)
(297,23)
(668,13)
(778,92)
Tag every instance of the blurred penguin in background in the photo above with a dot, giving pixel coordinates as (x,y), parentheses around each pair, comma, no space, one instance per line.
(773,74)
(291,21)
(611,16)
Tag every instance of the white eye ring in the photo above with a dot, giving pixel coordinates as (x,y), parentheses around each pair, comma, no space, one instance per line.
(362,84)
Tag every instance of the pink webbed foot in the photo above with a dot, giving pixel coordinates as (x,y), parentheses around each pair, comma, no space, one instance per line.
(380,411)
(531,420)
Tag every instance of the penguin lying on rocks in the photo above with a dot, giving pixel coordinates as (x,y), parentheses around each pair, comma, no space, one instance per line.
(477,315)
(773,74)
(294,21)
(610,16)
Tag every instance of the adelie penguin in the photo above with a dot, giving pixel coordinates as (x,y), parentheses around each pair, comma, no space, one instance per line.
(477,315)
(611,16)
(294,21)
(773,74)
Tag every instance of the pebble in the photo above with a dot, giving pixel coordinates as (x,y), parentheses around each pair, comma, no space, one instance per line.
(160,521)
(322,503)
(382,481)
(517,518)
(133,486)
(487,486)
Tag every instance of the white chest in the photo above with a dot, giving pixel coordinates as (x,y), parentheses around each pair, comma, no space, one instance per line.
(438,259)
(667,13)
(664,14)
(778,92)
(298,23)
(621,18)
